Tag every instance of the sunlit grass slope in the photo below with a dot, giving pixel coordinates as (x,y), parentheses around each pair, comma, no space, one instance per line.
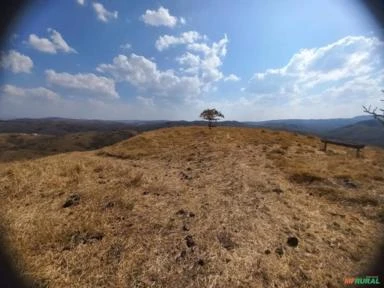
(193,207)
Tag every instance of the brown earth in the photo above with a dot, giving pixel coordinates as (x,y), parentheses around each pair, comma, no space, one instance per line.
(193,207)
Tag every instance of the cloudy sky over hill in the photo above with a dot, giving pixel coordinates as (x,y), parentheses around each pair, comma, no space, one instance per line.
(253,60)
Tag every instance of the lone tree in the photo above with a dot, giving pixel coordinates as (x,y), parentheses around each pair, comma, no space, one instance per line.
(211,115)
(378,116)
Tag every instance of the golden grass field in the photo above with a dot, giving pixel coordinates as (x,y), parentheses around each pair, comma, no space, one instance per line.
(193,207)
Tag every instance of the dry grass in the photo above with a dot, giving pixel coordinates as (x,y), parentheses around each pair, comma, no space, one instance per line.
(21,146)
(192,207)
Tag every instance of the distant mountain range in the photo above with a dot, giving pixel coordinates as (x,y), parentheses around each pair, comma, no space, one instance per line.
(361,129)
(310,125)
(370,132)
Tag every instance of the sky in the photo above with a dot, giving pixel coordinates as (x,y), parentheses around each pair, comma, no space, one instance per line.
(252,60)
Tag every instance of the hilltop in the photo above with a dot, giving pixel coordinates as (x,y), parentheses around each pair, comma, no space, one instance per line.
(193,207)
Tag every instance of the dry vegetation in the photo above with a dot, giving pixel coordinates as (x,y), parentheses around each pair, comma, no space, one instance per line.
(23,146)
(192,207)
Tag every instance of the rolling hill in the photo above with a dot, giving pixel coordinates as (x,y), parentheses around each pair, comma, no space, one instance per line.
(193,207)
(59,126)
(316,126)
(366,132)
(22,146)
(361,129)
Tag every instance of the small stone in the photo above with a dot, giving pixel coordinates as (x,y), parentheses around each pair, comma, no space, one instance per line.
(201,262)
(94,236)
(267,252)
(189,241)
(191,214)
(349,183)
(293,242)
(145,193)
(226,241)
(185,227)
(279,251)
(184,175)
(109,204)
(277,190)
(181,212)
(72,200)
(182,255)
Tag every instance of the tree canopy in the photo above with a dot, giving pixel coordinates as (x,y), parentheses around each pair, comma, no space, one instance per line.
(211,115)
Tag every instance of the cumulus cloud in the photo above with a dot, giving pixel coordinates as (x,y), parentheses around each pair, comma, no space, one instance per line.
(166,41)
(190,63)
(211,58)
(197,72)
(55,44)
(95,85)
(321,68)
(126,46)
(103,14)
(232,77)
(16,62)
(207,64)
(16,94)
(325,82)
(81,2)
(160,17)
(42,44)
(333,80)
(143,74)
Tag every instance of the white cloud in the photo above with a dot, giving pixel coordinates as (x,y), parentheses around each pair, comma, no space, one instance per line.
(190,63)
(103,14)
(232,77)
(211,58)
(189,59)
(53,45)
(147,101)
(161,17)
(135,69)
(41,44)
(197,74)
(322,67)
(211,55)
(59,42)
(81,2)
(95,85)
(16,62)
(16,94)
(182,21)
(126,46)
(143,74)
(166,41)
(330,81)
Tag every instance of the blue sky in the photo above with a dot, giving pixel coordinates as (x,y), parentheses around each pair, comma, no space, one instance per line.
(252,60)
